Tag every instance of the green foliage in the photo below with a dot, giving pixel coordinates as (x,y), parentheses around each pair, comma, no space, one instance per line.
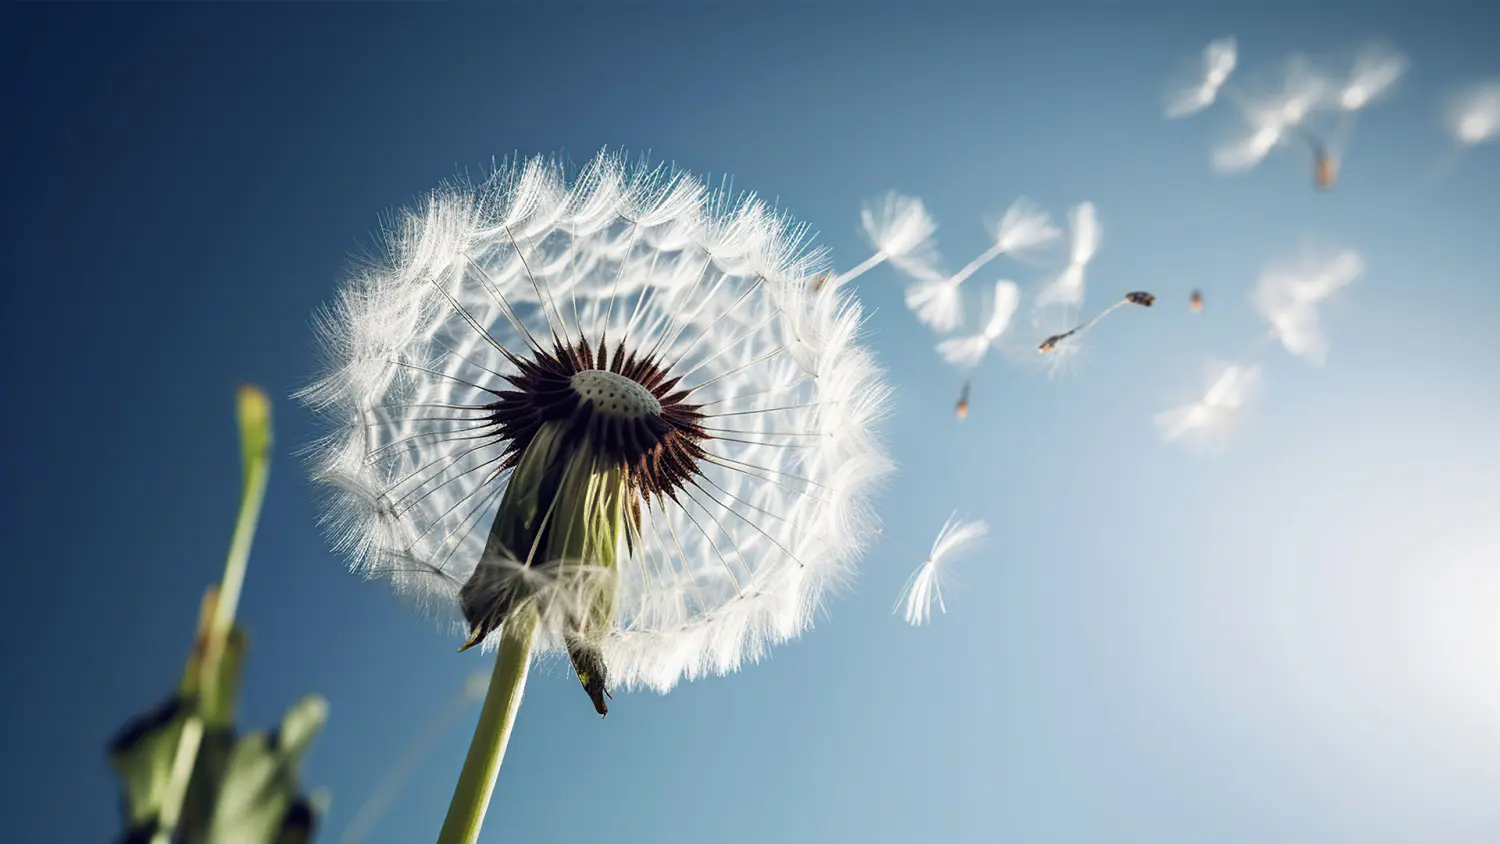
(186,775)
(244,789)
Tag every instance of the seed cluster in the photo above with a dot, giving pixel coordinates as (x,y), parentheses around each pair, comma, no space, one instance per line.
(624,405)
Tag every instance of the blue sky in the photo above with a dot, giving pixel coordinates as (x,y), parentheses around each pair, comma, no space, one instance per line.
(1294,641)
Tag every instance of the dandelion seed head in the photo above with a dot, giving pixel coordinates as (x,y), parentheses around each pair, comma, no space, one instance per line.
(620,311)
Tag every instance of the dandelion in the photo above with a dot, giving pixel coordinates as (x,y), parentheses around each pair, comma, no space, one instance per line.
(925,587)
(1377,67)
(961,410)
(900,226)
(1272,118)
(1139,297)
(603,417)
(1056,354)
(1068,288)
(1206,421)
(1474,116)
(1195,301)
(1217,63)
(1288,297)
(967,352)
(935,299)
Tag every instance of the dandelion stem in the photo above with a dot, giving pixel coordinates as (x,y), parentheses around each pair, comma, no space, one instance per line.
(255,445)
(476,782)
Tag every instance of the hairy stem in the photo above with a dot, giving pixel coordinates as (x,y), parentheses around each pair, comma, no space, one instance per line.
(476,782)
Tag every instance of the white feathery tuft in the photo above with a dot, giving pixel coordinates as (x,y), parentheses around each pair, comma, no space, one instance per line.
(1288,297)
(721,287)
(1067,288)
(898,227)
(1376,68)
(933,297)
(1206,422)
(1217,63)
(1266,130)
(925,586)
(1474,116)
(1270,117)
(967,352)
(1024,227)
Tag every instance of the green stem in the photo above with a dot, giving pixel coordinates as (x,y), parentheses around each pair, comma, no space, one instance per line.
(255,443)
(471,798)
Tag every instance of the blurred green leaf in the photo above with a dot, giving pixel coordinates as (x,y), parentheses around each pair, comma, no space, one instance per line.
(141,752)
(260,799)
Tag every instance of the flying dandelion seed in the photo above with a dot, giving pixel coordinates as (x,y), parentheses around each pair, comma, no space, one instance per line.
(1206,422)
(1024,228)
(1474,116)
(1376,69)
(961,410)
(1063,355)
(898,227)
(1266,131)
(1273,117)
(935,299)
(556,399)
(1196,301)
(1288,297)
(967,352)
(1215,66)
(1067,289)
(1139,297)
(924,587)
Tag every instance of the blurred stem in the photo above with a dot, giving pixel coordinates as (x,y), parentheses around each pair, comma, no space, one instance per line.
(471,798)
(254,410)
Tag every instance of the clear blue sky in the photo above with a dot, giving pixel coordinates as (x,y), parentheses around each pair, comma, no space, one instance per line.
(1295,641)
